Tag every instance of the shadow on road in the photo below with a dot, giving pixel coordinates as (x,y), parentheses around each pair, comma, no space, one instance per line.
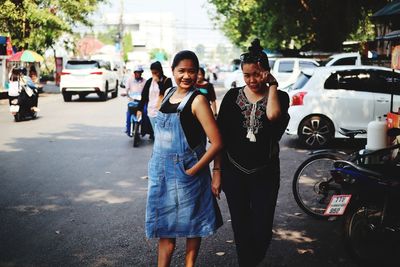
(77,198)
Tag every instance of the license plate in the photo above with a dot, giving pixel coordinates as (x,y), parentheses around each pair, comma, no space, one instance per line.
(337,205)
(14,108)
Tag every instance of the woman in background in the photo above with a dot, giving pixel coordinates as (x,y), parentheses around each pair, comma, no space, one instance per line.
(207,89)
(153,91)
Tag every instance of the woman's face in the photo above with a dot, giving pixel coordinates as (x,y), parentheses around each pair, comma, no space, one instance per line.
(155,73)
(185,74)
(200,77)
(253,76)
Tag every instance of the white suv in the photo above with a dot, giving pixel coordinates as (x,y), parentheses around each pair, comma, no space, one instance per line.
(325,99)
(83,77)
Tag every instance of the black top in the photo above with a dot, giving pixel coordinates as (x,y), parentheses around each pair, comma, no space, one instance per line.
(163,85)
(234,118)
(191,126)
(208,91)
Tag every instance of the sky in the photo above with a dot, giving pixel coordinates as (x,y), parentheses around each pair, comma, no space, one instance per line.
(193,20)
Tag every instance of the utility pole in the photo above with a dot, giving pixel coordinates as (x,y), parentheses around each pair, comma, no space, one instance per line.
(121,28)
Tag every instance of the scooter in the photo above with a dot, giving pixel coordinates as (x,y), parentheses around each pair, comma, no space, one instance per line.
(372,190)
(21,105)
(136,122)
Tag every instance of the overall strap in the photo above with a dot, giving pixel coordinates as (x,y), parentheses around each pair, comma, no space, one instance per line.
(168,95)
(185,100)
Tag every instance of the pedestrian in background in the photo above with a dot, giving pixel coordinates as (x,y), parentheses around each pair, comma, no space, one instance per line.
(252,120)
(180,202)
(207,89)
(153,91)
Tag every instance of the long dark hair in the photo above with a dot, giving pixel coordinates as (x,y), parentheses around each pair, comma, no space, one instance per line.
(186,54)
(15,75)
(157,66)
(255,55)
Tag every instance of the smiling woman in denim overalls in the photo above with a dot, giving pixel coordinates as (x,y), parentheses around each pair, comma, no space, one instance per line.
(180,199)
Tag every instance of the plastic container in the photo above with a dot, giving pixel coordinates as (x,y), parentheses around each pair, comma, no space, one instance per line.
(377,134)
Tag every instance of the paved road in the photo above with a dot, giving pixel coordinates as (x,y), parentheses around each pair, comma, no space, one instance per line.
(72,193)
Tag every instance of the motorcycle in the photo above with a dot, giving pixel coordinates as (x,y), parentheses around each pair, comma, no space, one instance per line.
(136,122)
(369,201)
(23,103)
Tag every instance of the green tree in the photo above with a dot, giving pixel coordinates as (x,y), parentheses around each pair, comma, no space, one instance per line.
(127,45)
(109,37)
(37,25)
(158,54)
(316,24)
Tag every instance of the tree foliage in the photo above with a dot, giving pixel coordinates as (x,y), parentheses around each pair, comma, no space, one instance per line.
(315,24)
(158,54)
(38,24)
(127,45)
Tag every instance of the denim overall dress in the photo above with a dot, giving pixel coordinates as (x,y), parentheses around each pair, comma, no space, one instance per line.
(178,205)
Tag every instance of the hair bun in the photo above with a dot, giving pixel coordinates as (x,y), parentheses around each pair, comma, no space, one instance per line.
(255,46)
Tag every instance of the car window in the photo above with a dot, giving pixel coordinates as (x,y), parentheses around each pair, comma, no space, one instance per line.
(286,66)
(82,64)
(386,81)
(300,82)
(307,64)
(355,80)
(325,61)
(345,61)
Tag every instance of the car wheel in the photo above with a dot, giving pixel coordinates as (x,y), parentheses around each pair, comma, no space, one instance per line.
(316,131)
(115,93)
(104,95)
(67,97)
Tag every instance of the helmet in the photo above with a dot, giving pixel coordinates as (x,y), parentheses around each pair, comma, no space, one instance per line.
(138,69)
(23,70)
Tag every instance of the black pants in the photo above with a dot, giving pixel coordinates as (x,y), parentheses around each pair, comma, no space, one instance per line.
(251,200)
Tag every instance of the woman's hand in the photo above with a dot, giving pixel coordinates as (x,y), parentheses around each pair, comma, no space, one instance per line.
(264,73)
(216,183)
(156,78)
(190,172)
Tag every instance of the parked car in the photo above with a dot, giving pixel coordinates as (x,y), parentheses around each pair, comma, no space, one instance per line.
(83,77)
(343,59)
(328,98)
(285,70)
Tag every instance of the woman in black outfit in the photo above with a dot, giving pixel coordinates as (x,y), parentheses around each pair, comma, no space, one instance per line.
(153,93)
(252,120)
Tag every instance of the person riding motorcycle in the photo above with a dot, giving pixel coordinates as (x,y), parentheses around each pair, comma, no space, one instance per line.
(134,87)
(22,95)
(30,88)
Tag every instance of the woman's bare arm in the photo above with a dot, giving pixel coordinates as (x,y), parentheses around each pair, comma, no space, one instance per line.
(202,111)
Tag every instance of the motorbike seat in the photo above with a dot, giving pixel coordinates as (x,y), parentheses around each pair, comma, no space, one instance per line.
(351,133)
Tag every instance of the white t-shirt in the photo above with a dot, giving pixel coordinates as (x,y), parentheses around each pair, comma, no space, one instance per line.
(13,89)
(154,92)
(135,87)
